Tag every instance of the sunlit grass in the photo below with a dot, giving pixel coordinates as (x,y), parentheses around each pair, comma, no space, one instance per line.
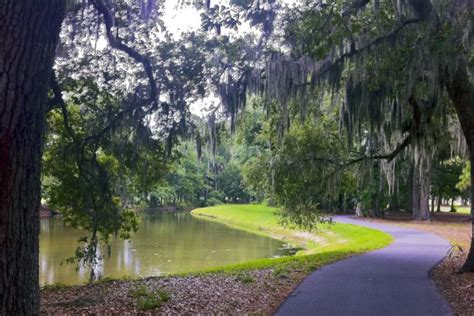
(329,243)
(459,209)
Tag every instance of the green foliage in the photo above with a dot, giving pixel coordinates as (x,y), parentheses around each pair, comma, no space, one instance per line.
(367,195)
(244,278)
(219,174)
(94,181)
(465,178)
(262,219)
(280,272)
(307,165)
(55,286)
(253,151)
(256,176)
(445,178)
(387,66)
(149,299)
(230,183)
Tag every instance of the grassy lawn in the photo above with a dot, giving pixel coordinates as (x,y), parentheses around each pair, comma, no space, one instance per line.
(459,209)
(255,288)
(331,242)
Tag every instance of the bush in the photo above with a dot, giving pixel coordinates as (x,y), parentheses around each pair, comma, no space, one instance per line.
(244,278)
(213,201)
(149,299)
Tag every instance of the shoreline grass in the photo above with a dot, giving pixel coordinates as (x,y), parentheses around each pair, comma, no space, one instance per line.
(331,242)
(270,280)
(460,209)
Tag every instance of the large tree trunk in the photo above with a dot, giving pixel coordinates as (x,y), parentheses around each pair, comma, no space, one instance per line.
(432,205)
(424,190)
(28,36)
(424,201)
(415,194)
(394,198)
(469,264)
(359,209)
(420,196)
(461,92)
(439,201)
(410,182)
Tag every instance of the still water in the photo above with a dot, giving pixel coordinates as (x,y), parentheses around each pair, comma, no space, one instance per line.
(165,243)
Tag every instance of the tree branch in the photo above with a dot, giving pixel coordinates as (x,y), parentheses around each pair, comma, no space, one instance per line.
(354,7)
(117,43)
(388,156)
(58,101)
(326,65)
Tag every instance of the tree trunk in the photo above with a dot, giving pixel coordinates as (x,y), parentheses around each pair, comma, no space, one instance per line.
(424,180)
(415,195)
(359,209)
(439,201)
(461,92)
(420,191)
(394,198)
(28,35)
(469,264)
(409,202)
(424,201)
(433,201)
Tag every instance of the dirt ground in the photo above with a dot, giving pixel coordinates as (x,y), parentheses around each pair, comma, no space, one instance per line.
(457,288)
(256,292)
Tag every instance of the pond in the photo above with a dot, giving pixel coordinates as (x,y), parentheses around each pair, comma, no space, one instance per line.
(165,243)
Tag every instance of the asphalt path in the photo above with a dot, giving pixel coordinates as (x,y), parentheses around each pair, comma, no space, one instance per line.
(390,281)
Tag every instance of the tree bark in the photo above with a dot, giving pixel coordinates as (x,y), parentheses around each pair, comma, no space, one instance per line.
(424,201)
(420,197)
(415,195)
(424,180)
(359,209)
(394,199)
(439,201)
(410,182)
(461,93)
(29,32)
(433,201)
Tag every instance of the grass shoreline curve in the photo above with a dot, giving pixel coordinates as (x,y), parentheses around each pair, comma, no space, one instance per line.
(330,243)
(254,287)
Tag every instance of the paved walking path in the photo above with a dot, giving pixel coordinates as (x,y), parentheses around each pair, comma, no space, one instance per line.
(390,281)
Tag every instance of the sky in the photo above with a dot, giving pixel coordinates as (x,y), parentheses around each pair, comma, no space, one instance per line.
(180,19)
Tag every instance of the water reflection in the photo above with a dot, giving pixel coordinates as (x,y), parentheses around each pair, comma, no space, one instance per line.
(165,243)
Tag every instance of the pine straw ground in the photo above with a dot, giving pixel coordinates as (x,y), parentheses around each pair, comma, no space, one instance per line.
(458,289)
(254,292)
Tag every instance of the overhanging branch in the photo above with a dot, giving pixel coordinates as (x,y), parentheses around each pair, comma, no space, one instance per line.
(117,43)
(326,65)
(388,156)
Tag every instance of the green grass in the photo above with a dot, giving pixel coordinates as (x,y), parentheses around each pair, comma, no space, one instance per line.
(147,299)
(331,242)
(459,209)
(54,286)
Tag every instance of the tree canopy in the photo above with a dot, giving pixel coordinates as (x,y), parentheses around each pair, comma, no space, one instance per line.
(316,106)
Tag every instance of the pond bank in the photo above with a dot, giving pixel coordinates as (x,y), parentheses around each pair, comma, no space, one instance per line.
(256,287)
